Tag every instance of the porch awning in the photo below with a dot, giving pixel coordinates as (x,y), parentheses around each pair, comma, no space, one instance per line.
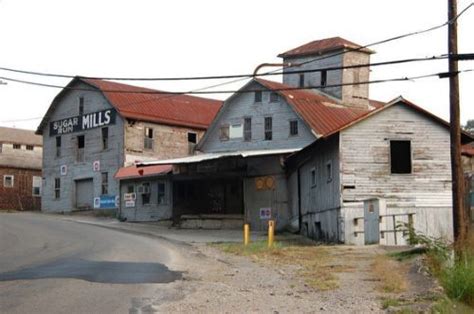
(212,156)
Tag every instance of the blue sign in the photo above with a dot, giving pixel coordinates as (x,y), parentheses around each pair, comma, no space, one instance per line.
(107,201)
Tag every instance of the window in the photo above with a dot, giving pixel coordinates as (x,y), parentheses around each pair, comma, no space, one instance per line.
(105,138)
(36,186)
(8,181)
(313,177)
(224,133)
(400,156)
(105,183)
(329,171)
(301,82)
(57,188)
(130,188)
(58,146)
(192,138)
(268,128)
(274,97)
(80,148)
(146,193)
(293,128)
(1,147)
(324,78)
(161,193)
(236,131)
(258,96)
(247,129)
(16,146)
(148,138)
(29,147)
(81,106)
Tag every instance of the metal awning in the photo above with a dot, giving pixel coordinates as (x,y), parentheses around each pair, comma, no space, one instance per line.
(213,156)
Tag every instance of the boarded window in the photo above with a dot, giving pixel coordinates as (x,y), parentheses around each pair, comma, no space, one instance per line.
(274,97)
(105,183)
(301,82)
(293,127)
(161,193)
(16,146)
(57,188)
(258,96)
(8,181)
(236,131)
(81,106)
(224,133)
(58,146)
(148,143)
(105,138)
(400,156)
(268,129)
(146,193)
(324,78)
(247,129)
(36,186)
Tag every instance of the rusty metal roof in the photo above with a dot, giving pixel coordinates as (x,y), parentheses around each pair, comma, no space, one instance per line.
(134,172)
(20,136)
(322,46)
(182,110)
(322,113)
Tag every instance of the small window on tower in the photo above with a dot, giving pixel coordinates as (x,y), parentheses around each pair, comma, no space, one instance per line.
(148,144)
(324,78)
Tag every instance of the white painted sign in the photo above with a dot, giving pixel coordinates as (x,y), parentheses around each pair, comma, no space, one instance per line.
(96,166)
(236,131)
(129,196)
(265,213)
(63,170)
(96,202)
(130,203)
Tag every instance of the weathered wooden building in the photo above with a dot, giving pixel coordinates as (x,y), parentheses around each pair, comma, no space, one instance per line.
(20,169)
(95,127)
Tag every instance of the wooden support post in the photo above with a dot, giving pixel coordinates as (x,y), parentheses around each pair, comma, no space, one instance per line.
(246,234)
(271,232)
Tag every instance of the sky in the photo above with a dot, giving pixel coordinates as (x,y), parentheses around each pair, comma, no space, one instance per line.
(190,38)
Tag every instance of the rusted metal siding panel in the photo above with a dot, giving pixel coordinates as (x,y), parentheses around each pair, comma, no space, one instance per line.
(365,170)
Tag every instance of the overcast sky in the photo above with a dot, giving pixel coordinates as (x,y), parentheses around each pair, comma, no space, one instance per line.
(188,38)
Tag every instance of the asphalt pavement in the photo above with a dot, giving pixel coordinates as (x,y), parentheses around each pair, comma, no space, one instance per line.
(49,264)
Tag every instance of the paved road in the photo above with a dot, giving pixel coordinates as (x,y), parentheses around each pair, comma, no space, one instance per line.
(51,265)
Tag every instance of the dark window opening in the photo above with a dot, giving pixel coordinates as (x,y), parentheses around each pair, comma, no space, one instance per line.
(29,147)
(329,171)
(192,138)
(268,128)
(313,177)
(293,127)
(274,97)
(148,144)
(80,147)
(224,133)
(161,193)
(400,156)
(146,193)
(105,138)
(258,96)
(247,129)
(301,82)
(57,188)
(105,183)
(16,146)
(58,146)
(130,188)
(81,106)
(324,78)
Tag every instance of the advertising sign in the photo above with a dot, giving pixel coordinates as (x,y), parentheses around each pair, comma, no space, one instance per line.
(106,201)
(130,203)
(82,123)
(265,213)
(96,166)
(129,196)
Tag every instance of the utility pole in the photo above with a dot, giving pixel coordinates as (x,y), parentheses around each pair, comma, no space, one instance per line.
(459,221)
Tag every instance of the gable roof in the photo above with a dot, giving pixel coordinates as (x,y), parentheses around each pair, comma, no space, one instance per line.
(20,136)
(321,113)
(323,46)
(130,102)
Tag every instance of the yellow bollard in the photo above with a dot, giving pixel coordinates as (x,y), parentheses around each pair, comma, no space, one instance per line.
(271,232)
(246,234)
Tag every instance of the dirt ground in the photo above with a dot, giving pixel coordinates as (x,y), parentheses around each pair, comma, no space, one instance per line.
(217,282)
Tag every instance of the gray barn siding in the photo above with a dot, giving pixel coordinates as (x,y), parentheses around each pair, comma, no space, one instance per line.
(365,160)
(320,203)
(147,212)
(110,159)
(243,105)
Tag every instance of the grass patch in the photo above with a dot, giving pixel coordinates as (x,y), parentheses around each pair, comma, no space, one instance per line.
(458,279)
(387,302)
(313,262)
(448,306)
(407,254)
(390,273)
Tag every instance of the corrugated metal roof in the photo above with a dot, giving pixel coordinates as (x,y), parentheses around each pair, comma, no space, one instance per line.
(322,114)
(322,46)
(212,156)
(183,110)
(134,172)
(20,136)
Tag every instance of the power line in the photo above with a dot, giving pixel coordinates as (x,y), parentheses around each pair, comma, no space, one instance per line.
(155,92)
(21,120)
